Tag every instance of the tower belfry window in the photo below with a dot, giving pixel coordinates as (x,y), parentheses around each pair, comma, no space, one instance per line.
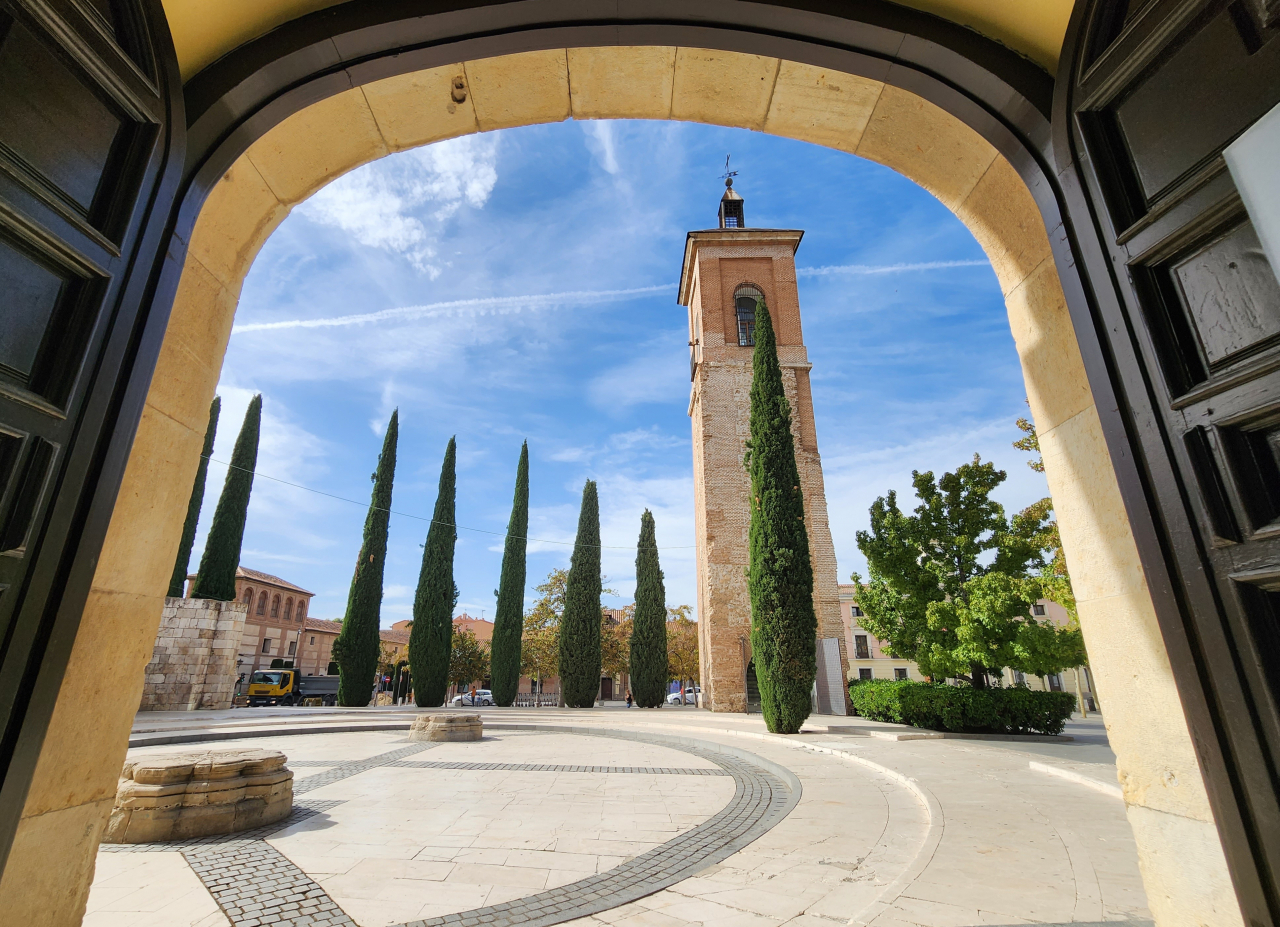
(745,298)
(731,208)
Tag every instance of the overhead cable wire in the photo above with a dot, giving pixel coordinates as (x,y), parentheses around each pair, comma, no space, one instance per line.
(501,534)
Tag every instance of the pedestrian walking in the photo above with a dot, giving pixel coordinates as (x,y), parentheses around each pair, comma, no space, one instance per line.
(628,698)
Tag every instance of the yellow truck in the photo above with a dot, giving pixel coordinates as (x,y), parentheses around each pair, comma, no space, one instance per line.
(289,687)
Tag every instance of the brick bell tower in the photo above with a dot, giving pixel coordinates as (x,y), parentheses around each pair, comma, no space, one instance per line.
(726,270)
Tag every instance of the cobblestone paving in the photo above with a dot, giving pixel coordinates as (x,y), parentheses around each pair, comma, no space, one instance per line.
(257,886)
(551,767)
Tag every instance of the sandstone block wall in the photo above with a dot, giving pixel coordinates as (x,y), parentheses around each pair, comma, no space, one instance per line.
(194,661)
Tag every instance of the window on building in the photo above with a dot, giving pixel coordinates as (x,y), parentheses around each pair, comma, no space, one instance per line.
(262,603)
(266,645)
(313,639)
(248,596)
(864,674)
(860,649)
(288,609)
(745,298)
(857,612)
(302,610)
(1019,678)
(293,647)
(1055,683)
(1037,610)
(900,672)
(275,607)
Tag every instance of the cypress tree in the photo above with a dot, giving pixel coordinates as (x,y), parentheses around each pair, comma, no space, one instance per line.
(580,623)
(216,578)
(648,663)
(431,639)
(178,582)
(356,648)
(780,577)
(508,620)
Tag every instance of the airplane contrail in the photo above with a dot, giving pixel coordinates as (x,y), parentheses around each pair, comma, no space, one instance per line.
(476,305)
(883,269)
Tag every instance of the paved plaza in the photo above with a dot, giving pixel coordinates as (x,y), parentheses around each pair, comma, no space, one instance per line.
(639,819)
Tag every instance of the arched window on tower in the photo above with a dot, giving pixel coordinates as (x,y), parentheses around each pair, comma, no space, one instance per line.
(288,609)
(275,607)
(262,603)
(302,609)
(745,298)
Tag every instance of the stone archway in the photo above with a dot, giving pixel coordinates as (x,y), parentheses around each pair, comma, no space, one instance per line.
(83,750)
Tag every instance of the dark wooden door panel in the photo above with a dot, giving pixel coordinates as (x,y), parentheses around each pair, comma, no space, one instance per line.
(1150,96)
(89,153)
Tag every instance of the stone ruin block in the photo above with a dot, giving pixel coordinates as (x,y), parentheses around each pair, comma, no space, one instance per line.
(182,796)
(446,728)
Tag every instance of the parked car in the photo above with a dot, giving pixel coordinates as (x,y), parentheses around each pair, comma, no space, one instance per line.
(690,696)
(483,697)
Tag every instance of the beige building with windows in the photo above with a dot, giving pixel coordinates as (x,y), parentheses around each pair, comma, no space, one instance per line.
(868,660)
(276,626)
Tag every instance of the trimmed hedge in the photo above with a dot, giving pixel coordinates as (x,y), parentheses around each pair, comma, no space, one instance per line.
(962,709)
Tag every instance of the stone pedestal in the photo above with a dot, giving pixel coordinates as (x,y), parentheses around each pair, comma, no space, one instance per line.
(186,795)
(446,727)
(193,664)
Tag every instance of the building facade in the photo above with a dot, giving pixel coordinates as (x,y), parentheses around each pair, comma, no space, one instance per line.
(726,271)
(275,627)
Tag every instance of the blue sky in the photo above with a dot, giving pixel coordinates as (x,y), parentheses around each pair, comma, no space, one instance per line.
(521,284)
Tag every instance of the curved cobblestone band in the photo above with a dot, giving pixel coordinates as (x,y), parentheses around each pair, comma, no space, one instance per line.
(257,886)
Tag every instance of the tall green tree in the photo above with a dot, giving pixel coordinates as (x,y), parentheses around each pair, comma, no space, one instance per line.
(178,582)
(469,658)
(357,649)
(508,620)
(649,622)
(216,578)
(951,585)
(784,626)
(580,623)
(431,637)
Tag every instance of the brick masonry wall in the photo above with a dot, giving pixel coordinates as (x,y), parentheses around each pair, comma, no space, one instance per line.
(194,661)
(720,411)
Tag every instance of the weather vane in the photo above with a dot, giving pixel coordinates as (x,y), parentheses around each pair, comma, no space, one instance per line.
(728,175)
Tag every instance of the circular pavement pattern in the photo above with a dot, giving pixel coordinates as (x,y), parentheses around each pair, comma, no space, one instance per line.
(256,885)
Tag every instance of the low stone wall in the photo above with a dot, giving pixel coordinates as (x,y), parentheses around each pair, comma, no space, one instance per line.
(446,728)
(194,661)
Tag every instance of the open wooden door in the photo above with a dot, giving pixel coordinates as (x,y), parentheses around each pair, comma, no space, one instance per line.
(91,132)
(1149,95)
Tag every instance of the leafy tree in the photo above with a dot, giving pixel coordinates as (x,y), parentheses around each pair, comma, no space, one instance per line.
(508,620)
(682,647)
(431,636)
(780,577)
(615,645)
(952,584)
(1054,577)
(357,647)
(540,649)
(469,659)
(580,622)
(649,631)
(216,578)
(178,582)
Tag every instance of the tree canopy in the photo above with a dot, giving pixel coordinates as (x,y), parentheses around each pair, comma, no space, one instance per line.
(951,584)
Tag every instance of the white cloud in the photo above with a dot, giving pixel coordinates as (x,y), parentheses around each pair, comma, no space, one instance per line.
(873,269)
(605,149)
(399,204)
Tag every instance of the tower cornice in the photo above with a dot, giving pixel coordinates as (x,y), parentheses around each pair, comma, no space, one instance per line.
(694,240)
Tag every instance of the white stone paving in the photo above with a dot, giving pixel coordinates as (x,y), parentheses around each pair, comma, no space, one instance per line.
(977,839)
